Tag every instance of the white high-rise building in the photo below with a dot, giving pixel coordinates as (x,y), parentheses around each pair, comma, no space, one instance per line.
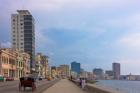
(23,33)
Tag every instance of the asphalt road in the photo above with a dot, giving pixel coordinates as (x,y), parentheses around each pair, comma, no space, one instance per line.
(12,86)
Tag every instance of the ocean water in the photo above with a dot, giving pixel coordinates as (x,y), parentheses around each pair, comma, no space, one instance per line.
(125,86)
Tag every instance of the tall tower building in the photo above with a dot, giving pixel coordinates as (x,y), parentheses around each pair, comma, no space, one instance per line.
(99,73)
(76,67)
(23,34)
(116,70)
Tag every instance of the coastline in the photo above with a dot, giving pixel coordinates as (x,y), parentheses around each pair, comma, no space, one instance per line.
(101,89)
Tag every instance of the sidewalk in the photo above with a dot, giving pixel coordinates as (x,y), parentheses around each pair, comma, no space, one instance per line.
(64,86)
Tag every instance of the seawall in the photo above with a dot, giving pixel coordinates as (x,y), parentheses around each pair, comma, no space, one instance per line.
(94,88)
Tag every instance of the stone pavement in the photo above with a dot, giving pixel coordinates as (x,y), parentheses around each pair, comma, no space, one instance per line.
(64,86)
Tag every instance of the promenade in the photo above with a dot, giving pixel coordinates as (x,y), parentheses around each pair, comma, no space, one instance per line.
(64,86)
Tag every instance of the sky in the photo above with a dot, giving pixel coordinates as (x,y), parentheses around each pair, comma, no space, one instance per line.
(95,33)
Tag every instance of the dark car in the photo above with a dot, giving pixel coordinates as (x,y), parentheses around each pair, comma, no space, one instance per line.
(9,79)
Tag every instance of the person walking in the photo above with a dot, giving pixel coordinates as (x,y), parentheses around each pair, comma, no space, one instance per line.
(83,83)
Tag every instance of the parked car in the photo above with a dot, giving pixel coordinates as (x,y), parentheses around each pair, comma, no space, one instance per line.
(40,78)
(9,78)
(1,78)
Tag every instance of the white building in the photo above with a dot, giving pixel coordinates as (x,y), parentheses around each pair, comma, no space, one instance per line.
(23,33)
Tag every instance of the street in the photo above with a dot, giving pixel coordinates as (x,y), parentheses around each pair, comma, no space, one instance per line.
(12,86)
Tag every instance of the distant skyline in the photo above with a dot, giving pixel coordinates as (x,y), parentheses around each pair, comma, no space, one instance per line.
(95,33)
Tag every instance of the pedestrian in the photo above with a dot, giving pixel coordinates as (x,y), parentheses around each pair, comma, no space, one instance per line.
(80,82)
(83,83)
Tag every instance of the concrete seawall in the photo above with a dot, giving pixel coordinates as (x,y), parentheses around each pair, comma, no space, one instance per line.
(92,88)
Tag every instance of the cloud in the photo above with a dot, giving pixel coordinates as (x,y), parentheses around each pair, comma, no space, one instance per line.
(130,21)
(130,66)
(43,42)
(131,41)
(60,4)
(5,45)
(85,28)
(128,29)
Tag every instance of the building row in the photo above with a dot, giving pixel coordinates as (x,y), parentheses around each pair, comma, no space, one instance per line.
(62,71)
(20,59)
(108,74)
(42,65)
(130,77)
(77,72)
(14,63)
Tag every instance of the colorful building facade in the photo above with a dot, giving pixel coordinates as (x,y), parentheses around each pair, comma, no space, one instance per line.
(13,63)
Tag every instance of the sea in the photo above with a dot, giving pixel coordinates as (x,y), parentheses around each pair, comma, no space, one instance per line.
(121,85)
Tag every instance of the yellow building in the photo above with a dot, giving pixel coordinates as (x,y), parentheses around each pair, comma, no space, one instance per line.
(13,63)
(7,63)
(63,71)
(42,66)
(22,64)
(54,72)
(45,66)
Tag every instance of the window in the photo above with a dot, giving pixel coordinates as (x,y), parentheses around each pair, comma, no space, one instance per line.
(21,20)
(14,43)
(21,43)
(28,27)
(28,23)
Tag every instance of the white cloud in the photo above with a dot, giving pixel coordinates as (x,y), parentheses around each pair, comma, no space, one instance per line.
(5,44)
(130,66)
(129,27)
(131,40)
(131,21)
(60,4)
(43,41)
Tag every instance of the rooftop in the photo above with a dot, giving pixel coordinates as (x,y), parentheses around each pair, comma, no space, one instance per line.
(23,12)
